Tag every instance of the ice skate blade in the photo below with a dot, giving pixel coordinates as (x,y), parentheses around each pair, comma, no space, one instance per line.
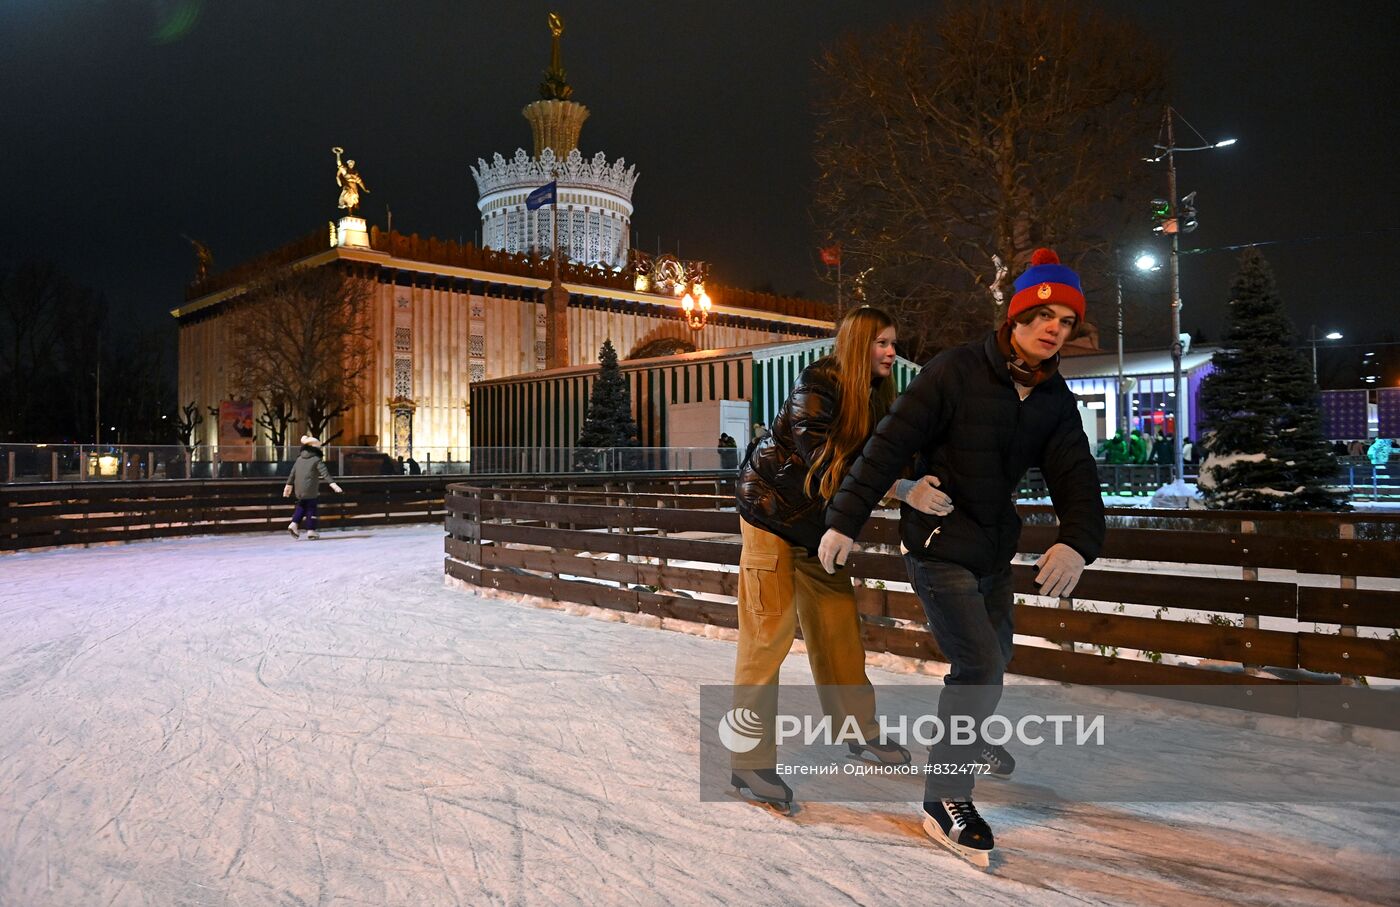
(864,754)
(979,858)
(786,808)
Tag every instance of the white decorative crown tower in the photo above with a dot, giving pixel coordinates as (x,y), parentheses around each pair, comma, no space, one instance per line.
(595,197)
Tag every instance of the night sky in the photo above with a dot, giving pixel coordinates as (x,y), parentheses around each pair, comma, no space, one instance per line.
(127,123)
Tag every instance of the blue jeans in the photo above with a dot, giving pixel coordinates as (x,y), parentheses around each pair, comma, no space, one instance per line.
(971,620)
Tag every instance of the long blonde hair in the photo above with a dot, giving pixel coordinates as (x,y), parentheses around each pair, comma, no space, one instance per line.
(858,407)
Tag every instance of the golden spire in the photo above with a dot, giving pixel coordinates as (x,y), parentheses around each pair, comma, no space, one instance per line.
(555,86)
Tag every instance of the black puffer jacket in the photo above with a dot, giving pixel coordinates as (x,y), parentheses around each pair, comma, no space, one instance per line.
(773,476)
(966,423)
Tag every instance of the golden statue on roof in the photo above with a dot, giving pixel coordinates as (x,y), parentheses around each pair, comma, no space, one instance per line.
(349,181)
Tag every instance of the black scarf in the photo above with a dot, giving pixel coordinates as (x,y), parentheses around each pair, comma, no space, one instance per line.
(1022,373)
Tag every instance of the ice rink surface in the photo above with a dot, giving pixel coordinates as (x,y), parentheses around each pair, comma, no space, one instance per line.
(248,720)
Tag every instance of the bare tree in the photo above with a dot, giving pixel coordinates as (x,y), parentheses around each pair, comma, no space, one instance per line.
(276,418)
(303,337)
(960,141)
(186,423)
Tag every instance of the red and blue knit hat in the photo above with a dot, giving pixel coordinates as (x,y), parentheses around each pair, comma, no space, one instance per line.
(1046,281)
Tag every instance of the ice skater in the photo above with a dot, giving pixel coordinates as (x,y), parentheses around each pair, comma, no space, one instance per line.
(785,482)
(977,417)
(304,482)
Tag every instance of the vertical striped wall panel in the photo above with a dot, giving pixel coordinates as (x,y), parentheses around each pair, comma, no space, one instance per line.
(550,409)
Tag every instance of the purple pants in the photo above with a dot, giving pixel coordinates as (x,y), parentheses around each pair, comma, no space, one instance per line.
(306,509)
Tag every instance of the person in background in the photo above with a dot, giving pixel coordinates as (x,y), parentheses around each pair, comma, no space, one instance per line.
(1162,452)
(1379,452)
(1116,450)
(1137,448)
(304,482)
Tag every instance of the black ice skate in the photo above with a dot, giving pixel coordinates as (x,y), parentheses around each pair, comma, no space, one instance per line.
(998,760)
(764,785)
(886,753)
(958,826)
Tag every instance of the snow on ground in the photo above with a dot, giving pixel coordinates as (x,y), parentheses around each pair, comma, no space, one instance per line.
(251,720)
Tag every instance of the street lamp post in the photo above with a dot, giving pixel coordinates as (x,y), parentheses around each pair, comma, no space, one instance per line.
(1121,406)
(695,306)
(1173,226)
(1313,338)
(1144,262)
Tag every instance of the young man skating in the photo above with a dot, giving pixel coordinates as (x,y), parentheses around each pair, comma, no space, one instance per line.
(977,417)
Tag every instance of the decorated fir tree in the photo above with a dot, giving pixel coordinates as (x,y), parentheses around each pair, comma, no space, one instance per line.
(1261,409)
(609,422)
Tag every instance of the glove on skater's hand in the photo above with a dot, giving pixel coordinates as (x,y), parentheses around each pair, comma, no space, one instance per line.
(924,495)
(336,488)
(834,550)
(1060,569)
(286,491)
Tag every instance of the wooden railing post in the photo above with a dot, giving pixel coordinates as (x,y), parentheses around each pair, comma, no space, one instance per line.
(1066,604)
(1249,574)
(53,466)
(1346,530)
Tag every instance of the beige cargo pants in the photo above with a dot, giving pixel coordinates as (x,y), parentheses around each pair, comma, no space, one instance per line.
(780,587)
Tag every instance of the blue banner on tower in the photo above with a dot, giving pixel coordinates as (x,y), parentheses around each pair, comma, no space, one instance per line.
(544,195)
(1344,415)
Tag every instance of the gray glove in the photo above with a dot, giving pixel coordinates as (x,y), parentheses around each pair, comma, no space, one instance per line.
(835,548)
(1060,569)
(924,495)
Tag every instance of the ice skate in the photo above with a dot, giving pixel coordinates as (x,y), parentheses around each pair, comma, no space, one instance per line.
(293,531)
(313,534)
(885,753)
(998,760)
(764,785)
(956,824)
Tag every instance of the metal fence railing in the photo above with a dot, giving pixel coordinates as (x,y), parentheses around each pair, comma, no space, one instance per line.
(143,462)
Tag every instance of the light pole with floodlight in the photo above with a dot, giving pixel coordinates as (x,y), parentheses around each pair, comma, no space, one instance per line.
(1173,224)
(1145,261)
(1313,338)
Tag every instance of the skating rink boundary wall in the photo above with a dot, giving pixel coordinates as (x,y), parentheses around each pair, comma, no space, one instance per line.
(88,513)
(676,556)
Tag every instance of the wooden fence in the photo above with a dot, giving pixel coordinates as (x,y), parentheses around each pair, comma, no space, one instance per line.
(84,513)
(619,550)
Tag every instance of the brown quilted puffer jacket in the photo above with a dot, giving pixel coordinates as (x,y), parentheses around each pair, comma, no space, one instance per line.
(772,477)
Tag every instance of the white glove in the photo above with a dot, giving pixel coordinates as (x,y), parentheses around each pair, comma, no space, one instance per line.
(923,495)
(1060,569)
(286,491)
(834,550)
(336,488)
